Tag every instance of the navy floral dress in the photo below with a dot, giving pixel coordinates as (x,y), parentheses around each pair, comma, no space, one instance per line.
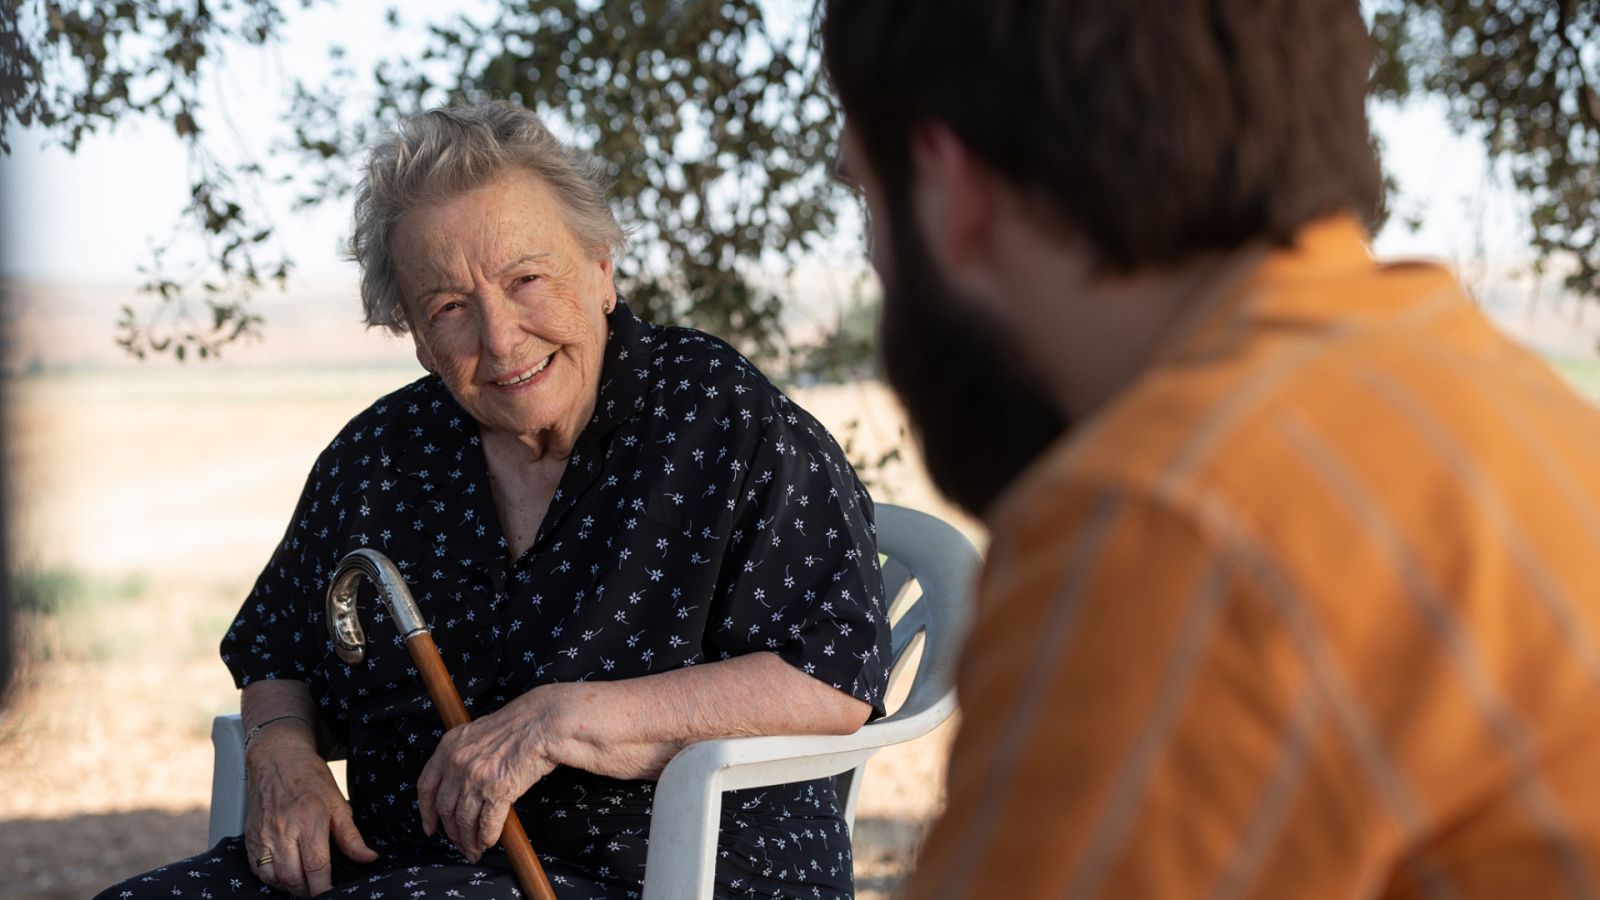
(701,516)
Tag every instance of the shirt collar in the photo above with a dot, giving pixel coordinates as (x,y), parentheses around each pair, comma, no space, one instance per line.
(439,455)
(1261,282)
(625,373)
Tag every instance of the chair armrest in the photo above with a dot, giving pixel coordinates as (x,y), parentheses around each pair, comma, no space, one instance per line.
(686,816)
(227,778)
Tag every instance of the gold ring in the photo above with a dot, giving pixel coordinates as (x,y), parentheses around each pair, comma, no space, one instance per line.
(265,860)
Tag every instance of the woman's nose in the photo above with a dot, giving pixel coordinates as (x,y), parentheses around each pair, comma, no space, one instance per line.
(500,326)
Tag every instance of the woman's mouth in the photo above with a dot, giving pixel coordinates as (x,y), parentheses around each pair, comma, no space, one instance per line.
(526,376)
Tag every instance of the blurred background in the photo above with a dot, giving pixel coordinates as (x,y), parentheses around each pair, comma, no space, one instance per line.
(181,336)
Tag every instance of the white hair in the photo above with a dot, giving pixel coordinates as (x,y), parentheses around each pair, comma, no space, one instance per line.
(442,153)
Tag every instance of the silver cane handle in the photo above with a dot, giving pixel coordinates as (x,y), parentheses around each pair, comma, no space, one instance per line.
(344,625)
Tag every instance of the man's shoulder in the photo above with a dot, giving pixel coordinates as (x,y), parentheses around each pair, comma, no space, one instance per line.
(1297,436)
(1218,413)
(1211,428)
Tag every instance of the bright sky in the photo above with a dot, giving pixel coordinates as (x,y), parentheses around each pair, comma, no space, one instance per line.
(92,216)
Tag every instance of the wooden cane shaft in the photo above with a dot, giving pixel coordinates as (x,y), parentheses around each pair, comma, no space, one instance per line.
(523,861)
(436,678)
(513,837)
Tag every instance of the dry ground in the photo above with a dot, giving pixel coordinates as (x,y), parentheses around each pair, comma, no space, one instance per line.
(147,500)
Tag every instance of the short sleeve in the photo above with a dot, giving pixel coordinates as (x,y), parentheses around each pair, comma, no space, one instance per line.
(279,631)
(800,576)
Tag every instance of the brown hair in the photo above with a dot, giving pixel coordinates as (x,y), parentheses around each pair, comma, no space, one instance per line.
(1157,131)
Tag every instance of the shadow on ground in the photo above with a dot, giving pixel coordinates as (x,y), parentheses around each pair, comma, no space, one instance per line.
(76,857)
(885,848)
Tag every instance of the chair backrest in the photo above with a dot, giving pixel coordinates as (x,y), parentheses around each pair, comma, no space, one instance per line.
(927,578)
(686,816)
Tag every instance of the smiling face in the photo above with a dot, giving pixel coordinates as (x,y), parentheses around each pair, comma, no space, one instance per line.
(507,308)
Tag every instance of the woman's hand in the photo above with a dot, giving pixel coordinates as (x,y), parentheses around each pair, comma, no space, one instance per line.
(481,768)
(294,806)
(619,729)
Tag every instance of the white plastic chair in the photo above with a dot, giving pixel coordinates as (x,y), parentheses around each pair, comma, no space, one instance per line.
(922,551)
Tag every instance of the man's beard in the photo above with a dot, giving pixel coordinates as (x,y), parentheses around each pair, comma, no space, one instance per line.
(979,414)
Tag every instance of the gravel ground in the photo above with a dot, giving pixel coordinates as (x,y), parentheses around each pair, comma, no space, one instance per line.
(148,499)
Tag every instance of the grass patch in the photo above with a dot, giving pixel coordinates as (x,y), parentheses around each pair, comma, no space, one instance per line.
(61,590)
(64,613)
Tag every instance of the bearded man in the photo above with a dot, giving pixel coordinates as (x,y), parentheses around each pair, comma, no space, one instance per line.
(1304,600)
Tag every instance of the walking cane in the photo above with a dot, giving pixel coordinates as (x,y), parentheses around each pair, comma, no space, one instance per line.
(349,641)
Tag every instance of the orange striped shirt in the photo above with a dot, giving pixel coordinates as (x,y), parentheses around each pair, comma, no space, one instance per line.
(1311,609)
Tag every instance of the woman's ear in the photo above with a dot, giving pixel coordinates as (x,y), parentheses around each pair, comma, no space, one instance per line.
(607,286)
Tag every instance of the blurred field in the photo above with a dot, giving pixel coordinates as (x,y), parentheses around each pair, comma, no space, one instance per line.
(144,501)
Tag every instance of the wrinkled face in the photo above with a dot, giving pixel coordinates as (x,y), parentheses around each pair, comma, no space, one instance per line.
(981,416)
(506,307)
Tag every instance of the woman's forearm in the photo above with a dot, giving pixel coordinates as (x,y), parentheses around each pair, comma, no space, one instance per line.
(620,729)
(633,728)
(284,710)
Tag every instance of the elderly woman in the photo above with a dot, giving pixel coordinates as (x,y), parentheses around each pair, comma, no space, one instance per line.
(625,540)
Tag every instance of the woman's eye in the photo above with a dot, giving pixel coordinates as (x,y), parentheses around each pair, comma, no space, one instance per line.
(527,279)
